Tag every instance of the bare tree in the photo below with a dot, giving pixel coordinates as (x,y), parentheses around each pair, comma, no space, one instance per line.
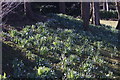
(105,6)
(85,14)
(7,7)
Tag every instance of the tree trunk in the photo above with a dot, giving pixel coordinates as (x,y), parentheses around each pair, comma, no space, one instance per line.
(118,7)
(118,25)
(62,7)
(27,9)
(31,15)
(86,14)
(81,10)
(105,6)
(1,12)
(96,17)
(91,12)
(1,38)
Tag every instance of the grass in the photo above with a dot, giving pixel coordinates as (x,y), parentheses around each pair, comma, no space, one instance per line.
(60,49)
(109,22)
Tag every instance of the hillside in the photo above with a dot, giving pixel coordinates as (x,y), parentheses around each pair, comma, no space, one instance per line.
(60,49)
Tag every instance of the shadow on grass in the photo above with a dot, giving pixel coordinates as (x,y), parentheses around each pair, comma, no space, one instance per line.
(8,55)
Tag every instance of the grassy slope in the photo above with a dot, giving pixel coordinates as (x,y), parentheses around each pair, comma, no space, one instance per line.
(73,29)
(107,22)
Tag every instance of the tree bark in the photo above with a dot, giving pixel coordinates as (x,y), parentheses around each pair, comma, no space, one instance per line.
(118,7)
(96,17)
(91,12)
(105,6)
(86,14)
(62,7)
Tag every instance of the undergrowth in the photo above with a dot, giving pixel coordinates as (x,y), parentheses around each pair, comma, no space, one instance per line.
(61,49)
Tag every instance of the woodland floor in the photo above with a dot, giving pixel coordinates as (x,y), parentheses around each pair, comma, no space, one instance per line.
(11,53)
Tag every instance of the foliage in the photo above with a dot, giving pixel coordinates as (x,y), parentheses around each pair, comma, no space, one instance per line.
(62,50)
(3,76)
(72,8)
(45,8)
(108,14)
